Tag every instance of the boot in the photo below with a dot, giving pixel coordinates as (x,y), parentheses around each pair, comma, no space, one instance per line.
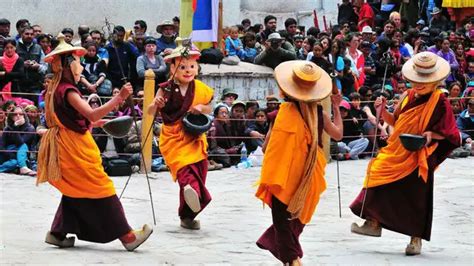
(369,228)
(67,242)
(190,224)
(414,248)
(192,198)
(140,237)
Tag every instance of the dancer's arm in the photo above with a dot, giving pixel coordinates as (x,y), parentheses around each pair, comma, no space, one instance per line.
(94,115)
(334,129)
(158,103)
(380,104)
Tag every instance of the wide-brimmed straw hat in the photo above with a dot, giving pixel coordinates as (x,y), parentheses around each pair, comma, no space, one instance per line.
(303,80)
(64,48)
(426,67)
(181,51)
(435,11)
(159,28)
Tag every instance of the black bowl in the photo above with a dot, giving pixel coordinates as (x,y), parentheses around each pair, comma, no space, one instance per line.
(196,124)
(412,142)
(118,127)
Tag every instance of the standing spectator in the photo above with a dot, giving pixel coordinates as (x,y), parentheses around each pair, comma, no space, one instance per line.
(353,143)
(366,15)
(140,27)
(37,30)
(98,38)
(346,13)
(34,66)
(438,21)
(93,78)
(246,23)
(166,43)
(68,35)
(306,52)
(176,22)
(274,54)
(4,32)
(127,55)
(11,70)
(412,42)
(420,24)
(138,40)
(369,64)
(397,20)
(21,24)
(270,22)
(44,40)
(447,54)
(356,57)
(151,60)
(388,30)
(318,58)
(291,25)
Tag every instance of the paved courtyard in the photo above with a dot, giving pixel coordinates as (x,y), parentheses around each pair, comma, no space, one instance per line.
(235,219)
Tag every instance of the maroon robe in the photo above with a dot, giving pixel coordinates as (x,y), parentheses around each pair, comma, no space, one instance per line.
(406,206)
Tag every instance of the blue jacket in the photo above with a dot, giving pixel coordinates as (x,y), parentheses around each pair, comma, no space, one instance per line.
(465,123)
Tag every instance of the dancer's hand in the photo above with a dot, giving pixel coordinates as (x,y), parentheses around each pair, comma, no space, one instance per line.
(159,101)
(380,101)
(126,90)
(429,136)
(197,109)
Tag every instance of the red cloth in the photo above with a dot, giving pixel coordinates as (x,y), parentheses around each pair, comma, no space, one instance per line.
(282,238)
(8,63)
(195,176)
(366,12)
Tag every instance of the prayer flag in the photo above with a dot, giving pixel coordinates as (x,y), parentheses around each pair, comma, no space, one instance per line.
(199,20)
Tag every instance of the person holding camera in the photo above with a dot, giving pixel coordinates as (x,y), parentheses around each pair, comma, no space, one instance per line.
(274,54)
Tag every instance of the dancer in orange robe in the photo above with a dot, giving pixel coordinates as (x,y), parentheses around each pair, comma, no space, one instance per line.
(185,154)
(398,188)
(70,160)
(292,177)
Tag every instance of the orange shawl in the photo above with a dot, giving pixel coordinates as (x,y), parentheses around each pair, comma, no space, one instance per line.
(284,160)
(394,162)
(180,149)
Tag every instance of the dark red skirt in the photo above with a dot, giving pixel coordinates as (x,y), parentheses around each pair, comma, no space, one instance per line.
(404,206)
(194,175)
(95,220)
(282,237)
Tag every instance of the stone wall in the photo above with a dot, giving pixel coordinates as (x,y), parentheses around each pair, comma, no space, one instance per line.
(54,15)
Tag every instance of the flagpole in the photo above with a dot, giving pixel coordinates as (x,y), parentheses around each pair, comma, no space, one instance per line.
(219,27)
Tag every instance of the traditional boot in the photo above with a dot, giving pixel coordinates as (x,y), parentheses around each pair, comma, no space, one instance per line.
(140,237)
(369,228)
(297,262)
(67,242)
(414,248)
(190,224)
(192,199)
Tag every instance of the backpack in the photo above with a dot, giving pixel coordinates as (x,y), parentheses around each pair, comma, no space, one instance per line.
(211,56)
(117,167)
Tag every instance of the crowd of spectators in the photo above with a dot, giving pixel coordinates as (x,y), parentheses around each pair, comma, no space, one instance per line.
(365,51)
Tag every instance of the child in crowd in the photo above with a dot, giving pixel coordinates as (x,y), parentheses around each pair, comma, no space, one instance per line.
(250,50)
(233,47)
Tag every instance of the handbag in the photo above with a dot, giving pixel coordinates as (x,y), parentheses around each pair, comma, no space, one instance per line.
(117,167)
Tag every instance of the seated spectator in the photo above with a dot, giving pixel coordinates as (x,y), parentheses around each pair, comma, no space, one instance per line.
(17,138)
(257,130)
(228,97)
(133,143)
(250,48)
(465,123)
(274,54)
(369,64)
(306,52)
(469,76)
(223,148)
(98,38)
(353,143)
(3,121)
(456,106)
(93,78)
(273,104)
(11,70)
(151,60)
(251,106)
(455,90)
(33,115)
(233,47)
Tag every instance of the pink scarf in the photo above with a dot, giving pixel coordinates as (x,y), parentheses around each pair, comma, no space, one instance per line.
(8,63)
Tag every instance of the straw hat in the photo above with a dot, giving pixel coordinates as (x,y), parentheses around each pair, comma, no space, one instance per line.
(159,28)
(426,67)
(303,80)
(181,51)
(435,11)
(64,48)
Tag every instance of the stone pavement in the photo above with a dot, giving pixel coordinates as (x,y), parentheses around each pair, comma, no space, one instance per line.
(235,219)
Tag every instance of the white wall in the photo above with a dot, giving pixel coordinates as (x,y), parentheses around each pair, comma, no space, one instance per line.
(54,15)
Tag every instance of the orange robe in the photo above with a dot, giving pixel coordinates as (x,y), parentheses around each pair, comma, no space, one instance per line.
(284,160)
(394,162)
(178,148)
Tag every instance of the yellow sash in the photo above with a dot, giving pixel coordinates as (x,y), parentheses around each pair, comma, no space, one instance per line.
(394,162)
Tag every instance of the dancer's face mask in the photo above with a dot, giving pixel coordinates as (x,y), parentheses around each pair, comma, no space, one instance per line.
(76,68)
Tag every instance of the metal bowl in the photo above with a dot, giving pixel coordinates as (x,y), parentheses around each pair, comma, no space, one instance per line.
(412,142)
(196,125)
(118,127)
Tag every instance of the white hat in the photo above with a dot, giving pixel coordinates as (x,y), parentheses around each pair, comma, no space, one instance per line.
(367,29)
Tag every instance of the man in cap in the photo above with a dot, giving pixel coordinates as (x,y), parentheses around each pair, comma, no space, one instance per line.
(438,20)
(228,97)
(420,24)
(69,159)
(185,154)
(397,193)
(291,182)
(274,54)
(166,43)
